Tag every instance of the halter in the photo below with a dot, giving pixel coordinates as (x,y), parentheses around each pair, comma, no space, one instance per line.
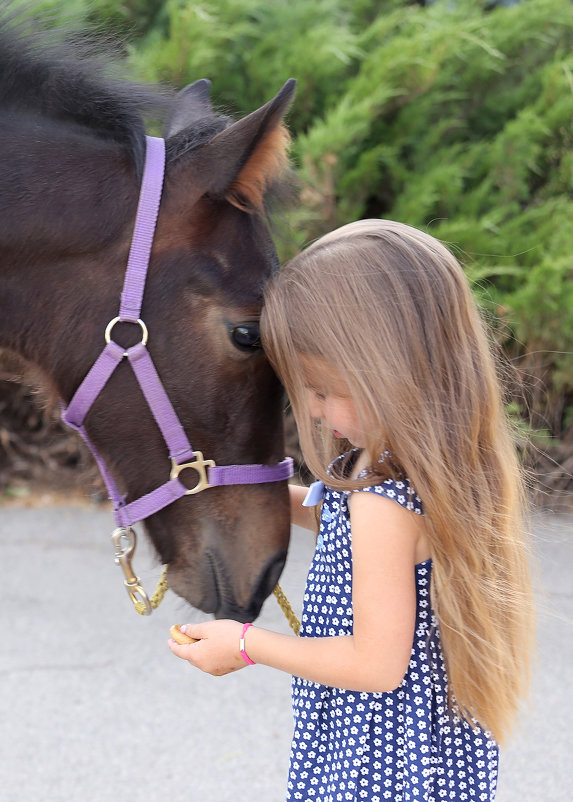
(181,453)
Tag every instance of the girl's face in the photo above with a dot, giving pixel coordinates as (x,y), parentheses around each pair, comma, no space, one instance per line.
(329,399)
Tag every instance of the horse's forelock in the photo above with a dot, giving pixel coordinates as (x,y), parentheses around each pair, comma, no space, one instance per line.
(201,132)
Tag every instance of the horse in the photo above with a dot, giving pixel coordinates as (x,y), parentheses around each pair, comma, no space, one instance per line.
(72,155)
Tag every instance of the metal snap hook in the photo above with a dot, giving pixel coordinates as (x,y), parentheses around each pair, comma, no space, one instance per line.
(124,540)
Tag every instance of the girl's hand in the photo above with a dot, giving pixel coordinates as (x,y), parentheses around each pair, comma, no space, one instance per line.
(217,649)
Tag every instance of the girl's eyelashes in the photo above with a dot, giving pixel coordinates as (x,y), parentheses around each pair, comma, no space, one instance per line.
(320,395)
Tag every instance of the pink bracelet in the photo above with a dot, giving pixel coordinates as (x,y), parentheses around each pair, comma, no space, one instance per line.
(244,655)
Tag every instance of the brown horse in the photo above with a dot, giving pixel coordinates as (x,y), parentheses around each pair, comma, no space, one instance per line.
(71,156)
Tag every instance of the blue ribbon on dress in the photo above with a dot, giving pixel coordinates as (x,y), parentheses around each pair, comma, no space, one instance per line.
(314,495)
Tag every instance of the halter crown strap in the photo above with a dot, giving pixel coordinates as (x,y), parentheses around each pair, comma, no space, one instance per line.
(144,230)
(180,450)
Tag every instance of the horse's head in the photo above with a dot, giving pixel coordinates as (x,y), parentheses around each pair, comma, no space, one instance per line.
(225,547)
(63,252)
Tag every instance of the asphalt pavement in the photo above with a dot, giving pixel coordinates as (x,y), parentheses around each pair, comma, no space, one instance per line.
(94,707)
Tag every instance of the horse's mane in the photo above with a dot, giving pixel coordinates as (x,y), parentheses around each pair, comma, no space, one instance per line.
(72,76)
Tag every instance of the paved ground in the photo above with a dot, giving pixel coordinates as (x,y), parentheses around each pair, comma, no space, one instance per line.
(93,707)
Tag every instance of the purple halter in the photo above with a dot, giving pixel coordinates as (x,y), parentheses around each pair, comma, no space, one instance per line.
(180,451)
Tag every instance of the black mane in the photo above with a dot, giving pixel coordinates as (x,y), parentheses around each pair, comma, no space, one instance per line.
(64,76)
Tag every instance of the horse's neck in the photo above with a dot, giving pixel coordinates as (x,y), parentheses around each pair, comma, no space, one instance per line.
(62,190)
(65,205)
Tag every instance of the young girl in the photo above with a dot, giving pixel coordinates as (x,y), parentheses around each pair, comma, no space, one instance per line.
(417,617)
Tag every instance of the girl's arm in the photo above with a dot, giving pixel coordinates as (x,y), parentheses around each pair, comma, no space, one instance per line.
(376,656)
(299,515)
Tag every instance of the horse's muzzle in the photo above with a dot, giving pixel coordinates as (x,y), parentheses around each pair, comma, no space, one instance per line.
(227,606)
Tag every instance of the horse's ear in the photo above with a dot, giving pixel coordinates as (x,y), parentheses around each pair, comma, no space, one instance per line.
(239,162)
(191,104)
(252,152)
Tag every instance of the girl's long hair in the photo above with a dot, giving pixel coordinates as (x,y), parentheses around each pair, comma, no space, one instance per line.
(390,308)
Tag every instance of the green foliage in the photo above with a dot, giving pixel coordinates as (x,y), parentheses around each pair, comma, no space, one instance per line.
(249,49)
(51,13)
(119,20)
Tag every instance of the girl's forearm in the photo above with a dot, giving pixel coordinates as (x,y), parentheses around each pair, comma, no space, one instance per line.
(336,661)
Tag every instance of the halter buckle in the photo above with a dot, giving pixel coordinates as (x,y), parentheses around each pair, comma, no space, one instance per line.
(200,465)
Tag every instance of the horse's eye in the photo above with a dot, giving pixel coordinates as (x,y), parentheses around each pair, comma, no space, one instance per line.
(246,336)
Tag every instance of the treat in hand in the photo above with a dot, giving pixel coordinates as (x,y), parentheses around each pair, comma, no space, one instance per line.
(180,637)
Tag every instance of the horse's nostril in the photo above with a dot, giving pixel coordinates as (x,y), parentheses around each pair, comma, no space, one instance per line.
(265,585)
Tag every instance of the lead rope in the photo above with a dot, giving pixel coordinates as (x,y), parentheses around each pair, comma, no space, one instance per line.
(157,598)
(286,607)
(279,594)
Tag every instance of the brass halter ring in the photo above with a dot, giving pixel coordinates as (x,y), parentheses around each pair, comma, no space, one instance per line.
(111,324)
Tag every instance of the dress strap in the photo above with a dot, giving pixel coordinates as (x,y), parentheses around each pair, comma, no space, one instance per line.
(398,490)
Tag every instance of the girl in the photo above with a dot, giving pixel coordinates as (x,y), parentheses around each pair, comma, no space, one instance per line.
(417,617)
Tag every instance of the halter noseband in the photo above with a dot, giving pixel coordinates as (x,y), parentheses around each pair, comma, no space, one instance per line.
(180,451)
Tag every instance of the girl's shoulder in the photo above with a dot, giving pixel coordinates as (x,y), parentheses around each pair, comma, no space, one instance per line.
(399,490)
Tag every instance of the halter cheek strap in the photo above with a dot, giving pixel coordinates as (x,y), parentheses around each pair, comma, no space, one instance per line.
(180,451)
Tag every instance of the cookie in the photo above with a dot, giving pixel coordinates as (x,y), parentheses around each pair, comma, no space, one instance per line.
(180,637)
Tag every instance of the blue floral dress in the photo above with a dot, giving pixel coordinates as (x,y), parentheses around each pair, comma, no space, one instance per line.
(403,745)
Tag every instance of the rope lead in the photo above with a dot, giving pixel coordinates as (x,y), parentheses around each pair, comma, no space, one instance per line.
(286,607)
(157,598)
(162,588)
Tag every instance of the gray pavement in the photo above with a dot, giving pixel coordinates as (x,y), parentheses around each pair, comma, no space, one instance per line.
(93,707)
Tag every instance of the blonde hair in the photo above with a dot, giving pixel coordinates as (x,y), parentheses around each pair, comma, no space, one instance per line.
(390,308)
